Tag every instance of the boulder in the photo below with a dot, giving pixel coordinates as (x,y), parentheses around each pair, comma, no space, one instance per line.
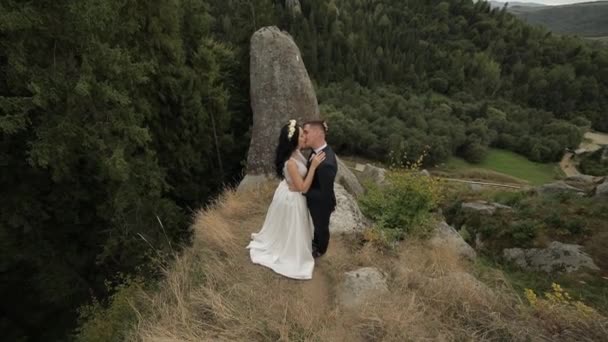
(280,90)
(557,257)
(360,285)
(374,173)
(348,180)
(348,217)
(475,187)
(445,235)
(558,187)
(602,189)
(294,7)
(581,178)
(484,207)
(479,243)
(425,173)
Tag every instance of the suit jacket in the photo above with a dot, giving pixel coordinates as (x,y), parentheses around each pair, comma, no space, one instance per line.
(321,194)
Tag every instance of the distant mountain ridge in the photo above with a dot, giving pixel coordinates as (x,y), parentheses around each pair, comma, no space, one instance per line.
(500,4)
(588,19)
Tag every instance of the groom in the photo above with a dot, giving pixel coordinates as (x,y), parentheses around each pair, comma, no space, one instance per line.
(320,197)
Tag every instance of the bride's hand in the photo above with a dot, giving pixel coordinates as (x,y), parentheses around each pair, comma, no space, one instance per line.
(317,160)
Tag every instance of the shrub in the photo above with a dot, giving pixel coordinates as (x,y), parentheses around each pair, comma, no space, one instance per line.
(439,85)
(403,205)
(553,219)
(114,321)
(475,153)
(510,198)
(566,317)
(593,164)
(523,232)
(575,226)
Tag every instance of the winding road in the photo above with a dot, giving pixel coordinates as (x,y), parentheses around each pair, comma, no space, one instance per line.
(592,141)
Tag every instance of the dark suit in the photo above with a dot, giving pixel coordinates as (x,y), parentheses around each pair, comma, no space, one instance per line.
(321,199)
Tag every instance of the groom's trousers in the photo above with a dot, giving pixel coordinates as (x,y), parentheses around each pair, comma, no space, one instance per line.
(320,220)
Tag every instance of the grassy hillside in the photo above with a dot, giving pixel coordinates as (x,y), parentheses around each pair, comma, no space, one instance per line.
(507,163)
(213,292)
(585,19)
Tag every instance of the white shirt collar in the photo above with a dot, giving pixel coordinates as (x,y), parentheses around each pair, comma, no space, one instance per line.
(317,150)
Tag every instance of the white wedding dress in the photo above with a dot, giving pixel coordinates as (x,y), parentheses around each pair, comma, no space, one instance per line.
(284,244)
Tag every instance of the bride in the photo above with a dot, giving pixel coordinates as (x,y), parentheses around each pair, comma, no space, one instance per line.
(284,244)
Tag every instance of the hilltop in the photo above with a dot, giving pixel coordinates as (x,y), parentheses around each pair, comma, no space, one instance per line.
(589,19)
(213,292)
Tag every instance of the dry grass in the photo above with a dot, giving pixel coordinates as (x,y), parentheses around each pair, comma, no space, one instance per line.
(213,292)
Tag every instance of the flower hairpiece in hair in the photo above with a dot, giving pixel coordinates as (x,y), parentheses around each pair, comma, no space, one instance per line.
(292,128)
(325,126)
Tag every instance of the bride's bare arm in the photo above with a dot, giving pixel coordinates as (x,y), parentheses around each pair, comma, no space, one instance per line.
(303,184)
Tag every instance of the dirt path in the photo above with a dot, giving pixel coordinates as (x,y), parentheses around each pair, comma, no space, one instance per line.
(592,142)
(568,166)
(597,138)
(317,291)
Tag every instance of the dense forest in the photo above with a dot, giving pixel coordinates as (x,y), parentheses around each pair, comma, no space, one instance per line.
(457,76)
(118,118)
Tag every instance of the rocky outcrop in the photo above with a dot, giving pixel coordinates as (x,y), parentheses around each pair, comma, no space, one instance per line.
(558,187)
(475,187)
(294,7)
(602,189)
(445,235)
(374,174)
(348,217)
(348,180)
(581,178)
(360,285)
(557,257)
(484,207)
(280,90)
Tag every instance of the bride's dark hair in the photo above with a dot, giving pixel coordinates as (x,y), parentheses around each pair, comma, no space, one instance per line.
(285,148)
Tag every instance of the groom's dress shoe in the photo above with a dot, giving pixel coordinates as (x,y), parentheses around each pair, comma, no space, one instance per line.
(316,253)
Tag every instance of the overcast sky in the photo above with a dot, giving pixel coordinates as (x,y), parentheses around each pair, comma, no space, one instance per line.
(550,2)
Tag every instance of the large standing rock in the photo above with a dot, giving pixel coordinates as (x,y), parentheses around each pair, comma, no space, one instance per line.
(446,236)
(348,217)
(557,257)
(280,90)
(348,180)
(360,285)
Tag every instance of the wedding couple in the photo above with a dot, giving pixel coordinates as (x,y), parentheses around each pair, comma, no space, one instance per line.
(296,229)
